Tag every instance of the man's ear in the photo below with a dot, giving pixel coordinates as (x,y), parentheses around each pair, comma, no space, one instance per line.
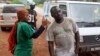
(52,15)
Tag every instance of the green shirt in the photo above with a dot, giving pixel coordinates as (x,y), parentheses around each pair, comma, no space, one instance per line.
(24,39)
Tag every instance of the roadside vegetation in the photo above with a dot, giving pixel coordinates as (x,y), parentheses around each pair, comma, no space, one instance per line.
(39,3)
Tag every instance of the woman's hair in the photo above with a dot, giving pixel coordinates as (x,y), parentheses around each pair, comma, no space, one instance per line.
(21,12)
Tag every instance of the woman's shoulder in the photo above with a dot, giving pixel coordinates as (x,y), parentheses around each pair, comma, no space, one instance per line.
(23,24)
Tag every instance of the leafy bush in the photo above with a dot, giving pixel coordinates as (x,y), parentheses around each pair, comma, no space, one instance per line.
(36,1)
(15,1)
(39,1)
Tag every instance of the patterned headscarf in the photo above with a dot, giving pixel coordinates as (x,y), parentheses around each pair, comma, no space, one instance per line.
(12,37)
(21,13)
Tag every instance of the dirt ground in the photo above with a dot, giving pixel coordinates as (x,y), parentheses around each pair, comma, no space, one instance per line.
(4,44)
(40,45)
(39,48)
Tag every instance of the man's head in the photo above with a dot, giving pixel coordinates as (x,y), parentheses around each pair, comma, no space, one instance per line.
(56,13)
(32,7)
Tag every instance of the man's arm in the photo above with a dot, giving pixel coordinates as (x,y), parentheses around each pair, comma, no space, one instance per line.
(51,47)
(50,39)
(35,18)
(77,38)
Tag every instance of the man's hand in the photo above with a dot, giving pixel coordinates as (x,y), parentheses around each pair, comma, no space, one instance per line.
(77,49)
(51,48)
(77,43)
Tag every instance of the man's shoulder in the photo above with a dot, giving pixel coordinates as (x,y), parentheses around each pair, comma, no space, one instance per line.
(51,26)
(69,19)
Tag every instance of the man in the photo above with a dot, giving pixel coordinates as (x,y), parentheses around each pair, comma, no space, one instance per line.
(63,35)
(33,15)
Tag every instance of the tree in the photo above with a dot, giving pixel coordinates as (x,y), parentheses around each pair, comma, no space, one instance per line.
(39,1)
(36,1)
(15,1)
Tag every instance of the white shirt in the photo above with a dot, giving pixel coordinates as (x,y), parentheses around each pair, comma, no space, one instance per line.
(63,36)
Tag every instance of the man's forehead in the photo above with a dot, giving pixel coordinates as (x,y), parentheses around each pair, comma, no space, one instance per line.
(58,8)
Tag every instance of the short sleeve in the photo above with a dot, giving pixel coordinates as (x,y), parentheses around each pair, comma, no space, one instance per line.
(50,35)
(75,27)
(28,30)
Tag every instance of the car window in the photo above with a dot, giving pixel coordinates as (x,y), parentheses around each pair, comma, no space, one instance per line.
(87,15)
(9,12)
(1,9)
(63,9)
(9,9)
(16,7)
(85,12)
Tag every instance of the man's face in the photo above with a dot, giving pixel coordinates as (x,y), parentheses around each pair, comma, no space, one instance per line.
(32,6)
(57,14)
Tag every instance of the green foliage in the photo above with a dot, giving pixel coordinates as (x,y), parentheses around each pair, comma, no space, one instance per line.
(15,1)
(36,1)
(39,1)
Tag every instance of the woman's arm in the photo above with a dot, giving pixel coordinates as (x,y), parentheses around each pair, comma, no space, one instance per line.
(38,32)
(41,29)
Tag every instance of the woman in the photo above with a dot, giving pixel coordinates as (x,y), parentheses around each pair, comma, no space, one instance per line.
(25,33)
